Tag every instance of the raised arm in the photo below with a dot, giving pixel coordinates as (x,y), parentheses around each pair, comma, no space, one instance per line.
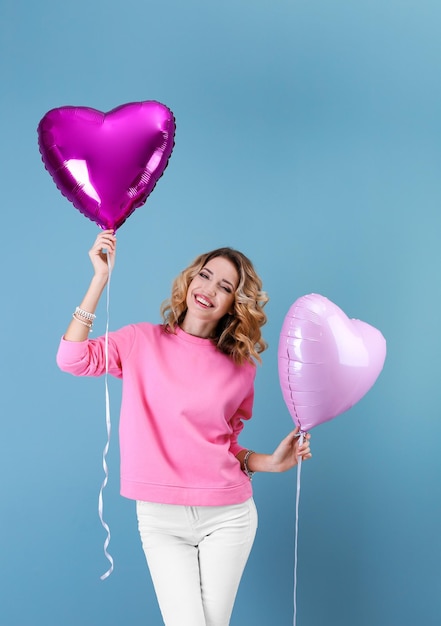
(284,457)
(79,327)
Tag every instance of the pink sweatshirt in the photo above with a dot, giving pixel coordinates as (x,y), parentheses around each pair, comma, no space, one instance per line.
(182,409)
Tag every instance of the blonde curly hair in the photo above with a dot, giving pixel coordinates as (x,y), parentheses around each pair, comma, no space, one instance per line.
(237,334)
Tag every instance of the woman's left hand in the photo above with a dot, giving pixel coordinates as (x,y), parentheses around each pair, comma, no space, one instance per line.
(287,453)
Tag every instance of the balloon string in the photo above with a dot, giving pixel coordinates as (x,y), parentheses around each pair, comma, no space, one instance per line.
(299,470)
(108,429)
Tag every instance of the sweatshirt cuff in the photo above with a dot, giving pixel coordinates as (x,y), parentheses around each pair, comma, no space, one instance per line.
(235,448)
(71,351)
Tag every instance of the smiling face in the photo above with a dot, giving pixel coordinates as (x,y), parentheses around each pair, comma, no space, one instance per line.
(210,296)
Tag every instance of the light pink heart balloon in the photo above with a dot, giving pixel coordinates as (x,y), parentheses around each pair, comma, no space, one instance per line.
(327,362)
(107,164)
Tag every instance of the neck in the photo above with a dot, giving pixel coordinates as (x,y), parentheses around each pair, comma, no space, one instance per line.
(198,330)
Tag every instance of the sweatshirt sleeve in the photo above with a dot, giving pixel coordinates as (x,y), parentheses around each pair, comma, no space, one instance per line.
(88,358)
(244,412)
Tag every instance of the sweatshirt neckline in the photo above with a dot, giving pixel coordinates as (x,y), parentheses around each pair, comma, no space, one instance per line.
(201,341)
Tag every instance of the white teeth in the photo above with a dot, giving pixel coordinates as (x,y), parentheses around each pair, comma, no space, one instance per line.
(203,301)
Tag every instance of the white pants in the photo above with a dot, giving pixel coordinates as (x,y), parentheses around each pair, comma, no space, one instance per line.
(196,556)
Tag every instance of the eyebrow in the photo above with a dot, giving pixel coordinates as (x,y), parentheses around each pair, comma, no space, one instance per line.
(222,279)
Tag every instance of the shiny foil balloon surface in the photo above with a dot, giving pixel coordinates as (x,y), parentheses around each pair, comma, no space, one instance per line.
(107,164)
(327,362)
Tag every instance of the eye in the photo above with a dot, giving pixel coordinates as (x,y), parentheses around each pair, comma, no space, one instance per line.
(227,289)
(203,274)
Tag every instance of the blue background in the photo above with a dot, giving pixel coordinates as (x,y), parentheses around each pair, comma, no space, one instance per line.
(308,136)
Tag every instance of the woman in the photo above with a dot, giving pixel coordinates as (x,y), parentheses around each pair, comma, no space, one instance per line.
(188,385)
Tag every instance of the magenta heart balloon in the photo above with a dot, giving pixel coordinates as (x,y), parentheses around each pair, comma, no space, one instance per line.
(107,164)
(327,362)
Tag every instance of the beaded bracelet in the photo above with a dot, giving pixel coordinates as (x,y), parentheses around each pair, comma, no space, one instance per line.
(85,314)
(247,471)
(89,325)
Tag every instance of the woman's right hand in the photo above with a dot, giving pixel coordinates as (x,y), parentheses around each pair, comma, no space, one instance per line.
(77,329)
(100,260)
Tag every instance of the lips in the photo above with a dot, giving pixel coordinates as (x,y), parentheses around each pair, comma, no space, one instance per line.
(203,301)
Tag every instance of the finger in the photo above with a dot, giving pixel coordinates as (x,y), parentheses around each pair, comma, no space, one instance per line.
(106,237)
(304,451)
(291,437)
(106,233)
(104,241)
